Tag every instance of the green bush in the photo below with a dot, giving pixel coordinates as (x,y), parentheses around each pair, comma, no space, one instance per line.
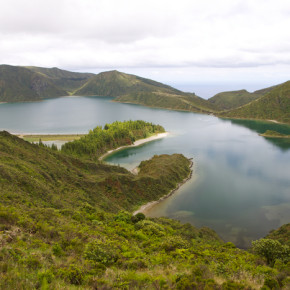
(105,252)
(271,250)
(174,242)
(73,274)
(138,217)
(271,283)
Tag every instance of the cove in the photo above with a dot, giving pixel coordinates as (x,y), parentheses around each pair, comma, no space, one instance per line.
(241,184)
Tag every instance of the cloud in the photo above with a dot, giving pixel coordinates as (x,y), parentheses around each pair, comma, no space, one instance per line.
(89,34)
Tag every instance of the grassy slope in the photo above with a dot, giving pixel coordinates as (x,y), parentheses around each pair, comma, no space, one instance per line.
(49,175)
(133,89)
(183,102)
(230,100)
(54,230)
(66,80)
(21,84)
(114,84)
(275,105)
(60,227)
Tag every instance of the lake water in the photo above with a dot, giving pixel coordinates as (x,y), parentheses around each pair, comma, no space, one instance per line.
(241,185)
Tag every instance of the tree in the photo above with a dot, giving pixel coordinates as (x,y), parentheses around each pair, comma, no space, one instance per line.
(271,250)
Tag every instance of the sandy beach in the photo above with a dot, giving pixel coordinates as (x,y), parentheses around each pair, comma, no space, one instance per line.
(150,204)
(136,143)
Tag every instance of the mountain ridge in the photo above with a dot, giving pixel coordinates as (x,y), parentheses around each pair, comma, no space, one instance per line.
(36,83)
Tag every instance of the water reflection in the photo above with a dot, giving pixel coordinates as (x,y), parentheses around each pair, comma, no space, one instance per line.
(262,126)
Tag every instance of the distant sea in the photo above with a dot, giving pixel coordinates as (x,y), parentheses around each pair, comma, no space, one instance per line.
(207,91)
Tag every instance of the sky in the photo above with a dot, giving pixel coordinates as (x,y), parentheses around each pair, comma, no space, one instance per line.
(198,46)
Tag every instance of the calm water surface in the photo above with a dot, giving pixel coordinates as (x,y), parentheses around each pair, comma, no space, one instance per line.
(241,185)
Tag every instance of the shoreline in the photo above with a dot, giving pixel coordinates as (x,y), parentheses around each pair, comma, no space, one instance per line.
(135,144)
(150,204)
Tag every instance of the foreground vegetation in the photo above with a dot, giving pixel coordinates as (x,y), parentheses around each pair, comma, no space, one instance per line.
(66,223)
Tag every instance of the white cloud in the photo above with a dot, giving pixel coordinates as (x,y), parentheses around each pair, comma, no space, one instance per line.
(184,34)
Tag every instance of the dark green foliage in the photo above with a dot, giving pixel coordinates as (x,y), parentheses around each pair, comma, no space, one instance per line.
(271,250)
(271,283)
(282,234)
(138,217)
(114,135)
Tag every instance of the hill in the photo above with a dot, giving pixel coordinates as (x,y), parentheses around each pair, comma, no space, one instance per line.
(230,100)
(274,105)
(66,80)
(133,89)
(234,99)
(19,84)
(114,84)
(63,225)
(171,101)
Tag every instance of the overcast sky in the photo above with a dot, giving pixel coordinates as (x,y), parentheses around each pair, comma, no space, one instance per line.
(185,43)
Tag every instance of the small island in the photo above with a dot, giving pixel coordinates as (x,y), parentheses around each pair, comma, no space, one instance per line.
(274,134)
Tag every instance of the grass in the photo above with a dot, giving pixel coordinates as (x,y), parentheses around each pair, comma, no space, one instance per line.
(51,137)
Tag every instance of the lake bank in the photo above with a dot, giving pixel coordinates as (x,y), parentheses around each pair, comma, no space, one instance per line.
(150,204)
(135,144)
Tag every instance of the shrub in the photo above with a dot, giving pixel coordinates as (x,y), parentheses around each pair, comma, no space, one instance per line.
(138,217)
(271,250)
(173,243)
(123,216)
(105,252)
(73,275)
(271,283)
(150,228)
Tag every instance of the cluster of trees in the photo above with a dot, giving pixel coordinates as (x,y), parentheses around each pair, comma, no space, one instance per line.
(100,140)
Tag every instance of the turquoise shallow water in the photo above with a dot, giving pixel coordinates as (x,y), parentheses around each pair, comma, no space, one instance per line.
(241,185)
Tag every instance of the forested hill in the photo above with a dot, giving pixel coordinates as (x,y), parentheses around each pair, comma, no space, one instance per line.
(274,105)
(63,225)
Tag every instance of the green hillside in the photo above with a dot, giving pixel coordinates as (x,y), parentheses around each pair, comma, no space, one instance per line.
(66,80)
(63,226)
(274,105)
(21,84)
(230,100)
(114,84)
(171,101)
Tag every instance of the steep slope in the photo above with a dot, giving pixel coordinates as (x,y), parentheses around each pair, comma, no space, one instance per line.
(66,80)
(274,105)
(57,180)
(61,228)
(21,84)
